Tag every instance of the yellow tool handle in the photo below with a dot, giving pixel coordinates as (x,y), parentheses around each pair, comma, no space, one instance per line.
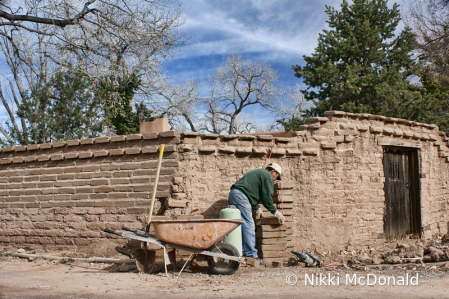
(161,153)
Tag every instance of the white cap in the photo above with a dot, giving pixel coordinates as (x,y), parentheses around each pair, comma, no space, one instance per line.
(276,167)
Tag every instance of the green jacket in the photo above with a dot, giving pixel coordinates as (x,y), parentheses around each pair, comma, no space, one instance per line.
(258,186)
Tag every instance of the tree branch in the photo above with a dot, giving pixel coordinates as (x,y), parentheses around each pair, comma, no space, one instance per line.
(49,21)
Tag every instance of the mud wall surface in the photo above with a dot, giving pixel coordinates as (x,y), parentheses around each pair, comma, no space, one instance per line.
(60,195)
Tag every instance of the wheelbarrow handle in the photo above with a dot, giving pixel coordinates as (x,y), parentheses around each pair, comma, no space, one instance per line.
(110,231)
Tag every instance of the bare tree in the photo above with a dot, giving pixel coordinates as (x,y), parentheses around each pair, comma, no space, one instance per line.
(234,88)
(292,109)
(179,103)
(99,37)
(430,22)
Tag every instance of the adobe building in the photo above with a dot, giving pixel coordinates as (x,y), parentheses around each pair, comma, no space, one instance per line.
(354,180)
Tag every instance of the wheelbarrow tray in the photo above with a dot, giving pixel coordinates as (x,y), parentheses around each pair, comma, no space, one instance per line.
(196,234)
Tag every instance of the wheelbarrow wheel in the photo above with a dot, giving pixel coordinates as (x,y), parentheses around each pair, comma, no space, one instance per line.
(220,265)
(145,260)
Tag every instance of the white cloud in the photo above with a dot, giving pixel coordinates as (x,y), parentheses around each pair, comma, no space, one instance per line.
(224,28)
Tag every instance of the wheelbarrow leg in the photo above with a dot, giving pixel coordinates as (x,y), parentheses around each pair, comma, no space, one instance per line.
(172,257)
(189,260)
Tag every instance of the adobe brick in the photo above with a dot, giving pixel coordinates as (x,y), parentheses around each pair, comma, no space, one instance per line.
(110,167)
(141,180)
(262,234)
(73,142)
(49,191)
(62,197)
(15,179)
(43,158)
(123,189)
(272,254)
(117,195)
(130,166)
(19,205)
(136,211)
(170,148)
(103,189)
(84,190)
(149,150)
(64,204)
(55,171)
(65,177)
(92,218)
(133,137)
(150,136)
(5,161)
(102,153)
(87,141)
(30,159)
(17,192)
(85,155)
(123,174)
(117,152)
(63,184)
(173,140)
(273,247)
(8,149)
(59,144)
(44,178)
(271,228)
(66,190)
(121,181)
(119,138)
(84,176)
(100,140)
(71,156)
(104,204)
(90,168)
(33,147)
(33,192)
(17,160)
(132,151)
(99,182)
(85,204)
(46,146)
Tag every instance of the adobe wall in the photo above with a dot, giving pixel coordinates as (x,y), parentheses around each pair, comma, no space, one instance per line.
(59,196)
(335,166)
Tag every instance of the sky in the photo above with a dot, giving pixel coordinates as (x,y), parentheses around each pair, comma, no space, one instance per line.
(279,32)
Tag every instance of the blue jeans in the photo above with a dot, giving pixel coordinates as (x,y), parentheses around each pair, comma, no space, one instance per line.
(238,199)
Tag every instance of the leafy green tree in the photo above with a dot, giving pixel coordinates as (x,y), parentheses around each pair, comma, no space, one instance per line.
(360,65)
(434,105)
(64,109)
(116,94)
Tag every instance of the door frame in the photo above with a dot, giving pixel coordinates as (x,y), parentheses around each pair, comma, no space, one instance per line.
(414,190)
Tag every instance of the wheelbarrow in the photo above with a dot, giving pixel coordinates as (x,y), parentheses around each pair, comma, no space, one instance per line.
(200,237)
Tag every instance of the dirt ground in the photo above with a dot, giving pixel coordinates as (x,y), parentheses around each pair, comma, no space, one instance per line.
(39,278)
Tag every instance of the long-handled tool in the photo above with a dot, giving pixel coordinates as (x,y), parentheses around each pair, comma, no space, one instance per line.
(161,153)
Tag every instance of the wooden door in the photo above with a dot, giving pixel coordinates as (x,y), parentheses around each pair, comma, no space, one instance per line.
(402,202)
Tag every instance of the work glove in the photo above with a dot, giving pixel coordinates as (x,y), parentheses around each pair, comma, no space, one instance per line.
(279,216)
(258,213)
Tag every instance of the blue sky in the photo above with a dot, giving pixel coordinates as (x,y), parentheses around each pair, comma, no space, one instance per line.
(279,32)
